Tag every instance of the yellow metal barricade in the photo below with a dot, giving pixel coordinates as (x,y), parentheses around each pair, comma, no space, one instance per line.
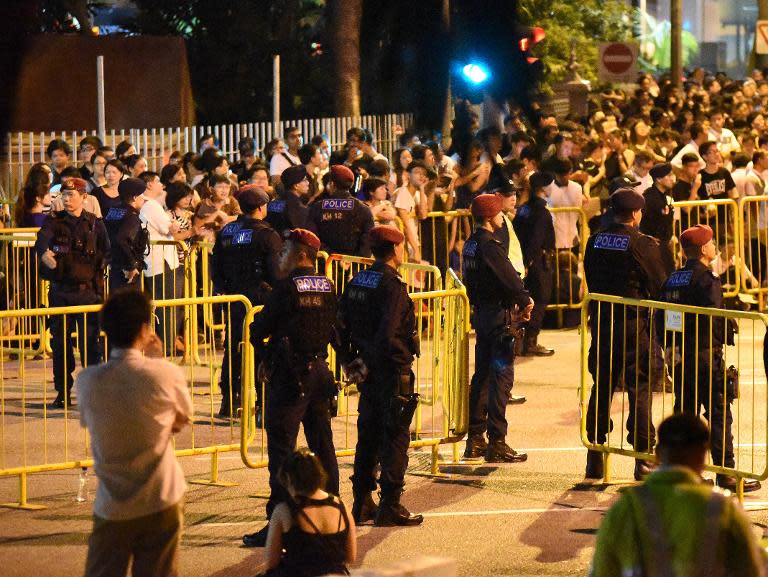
(629,342)
(441,379)
(442,236)
(418,277)
(37,439)
(723,216)
(568,281)
(753,242)
(24,289)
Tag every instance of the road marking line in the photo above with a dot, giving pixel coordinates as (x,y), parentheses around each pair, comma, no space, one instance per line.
(515,511)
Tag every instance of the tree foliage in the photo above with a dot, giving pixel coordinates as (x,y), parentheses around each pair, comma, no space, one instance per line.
(583,24)
(230,47)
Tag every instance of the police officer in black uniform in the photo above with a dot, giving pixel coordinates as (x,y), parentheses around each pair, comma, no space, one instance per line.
(299,318)
(536,231)
(499,301)
(377,344)
(658,213)
(621,261)
(244,261)
(699,368)
(128,237)
(288,211)
(73,249)
(341,221)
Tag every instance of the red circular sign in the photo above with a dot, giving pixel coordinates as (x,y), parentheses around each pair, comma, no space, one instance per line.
(618,58)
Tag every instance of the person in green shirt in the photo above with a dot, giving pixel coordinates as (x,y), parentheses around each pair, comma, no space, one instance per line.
(675,524)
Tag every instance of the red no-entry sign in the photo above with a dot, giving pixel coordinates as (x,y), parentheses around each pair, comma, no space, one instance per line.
(618,61)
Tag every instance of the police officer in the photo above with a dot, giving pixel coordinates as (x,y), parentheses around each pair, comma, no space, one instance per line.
(700,365)
(535,227)
(72,247)
(244,261)
(499,302)
(287,211)
(673,524)
(341,221)
(658,213)
(128,237)
(299,318)
(377,343)
(621,261)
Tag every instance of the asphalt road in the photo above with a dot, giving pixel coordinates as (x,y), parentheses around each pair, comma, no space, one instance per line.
(532,518)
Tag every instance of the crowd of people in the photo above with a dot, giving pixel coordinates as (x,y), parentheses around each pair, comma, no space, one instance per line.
(265,217)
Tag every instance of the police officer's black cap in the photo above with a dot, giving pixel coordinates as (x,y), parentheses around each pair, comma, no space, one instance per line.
(627,200)
(660,170)
(621,182)
(251,199)
(683,430)
(131,187)
(539,180)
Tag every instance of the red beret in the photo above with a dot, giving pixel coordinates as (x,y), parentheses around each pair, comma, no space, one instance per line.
(698,235)
(246,187)
(383,234)
(341,176)
(305,237)
(74,183)
(486,205)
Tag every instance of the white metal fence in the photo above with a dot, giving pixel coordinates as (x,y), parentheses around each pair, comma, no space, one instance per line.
(23,149)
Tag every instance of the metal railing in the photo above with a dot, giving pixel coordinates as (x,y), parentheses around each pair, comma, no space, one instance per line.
(712,370)
(155,144)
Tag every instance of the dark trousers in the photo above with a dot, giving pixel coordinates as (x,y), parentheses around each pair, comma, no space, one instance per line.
(700,384)
(539,281)
(381,439)
(623,358)
(170,320)
(231,366)
(494,376)
(62,327)
(289,405)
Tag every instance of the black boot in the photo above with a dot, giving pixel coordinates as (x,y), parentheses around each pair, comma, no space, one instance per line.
(500,452)
(476,447)
(594,465)
(731,483)
(643,469)
(532,347)
(58,402)
(392,514)
(225,411)
(364,508)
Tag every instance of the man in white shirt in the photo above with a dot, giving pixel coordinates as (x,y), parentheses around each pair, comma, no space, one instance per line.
(132,405)
(163,277)
(640,171)
(367,147)
(290,157)
(725,139)
(698,137)
(563,193)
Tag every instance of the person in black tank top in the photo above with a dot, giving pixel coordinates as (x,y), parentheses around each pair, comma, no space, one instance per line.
(312,534)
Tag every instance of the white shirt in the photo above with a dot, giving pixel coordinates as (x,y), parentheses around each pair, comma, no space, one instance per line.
(566,223)
(646,181)
(726,141)
(741,179)
(130,405)
(691,147)
(278,163)
(158,224)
